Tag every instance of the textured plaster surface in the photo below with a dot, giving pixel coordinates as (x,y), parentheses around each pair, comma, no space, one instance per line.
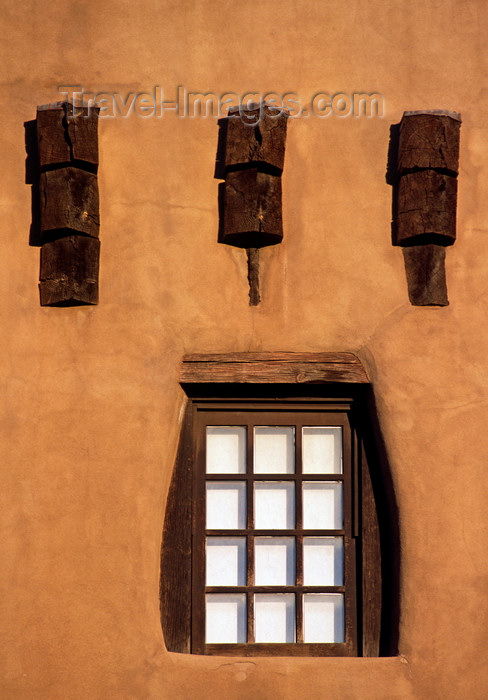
(91,405)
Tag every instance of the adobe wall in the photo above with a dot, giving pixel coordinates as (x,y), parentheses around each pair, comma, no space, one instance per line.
(92,404)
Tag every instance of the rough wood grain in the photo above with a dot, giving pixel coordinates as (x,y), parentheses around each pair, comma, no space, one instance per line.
(276,356)
(426,276)
(429,141)
(69,271)
(253,276)
(252,209)
(175,584)
(371,566)
(63,138)
(256,137)
(426,207)
(69,201)
(273,368)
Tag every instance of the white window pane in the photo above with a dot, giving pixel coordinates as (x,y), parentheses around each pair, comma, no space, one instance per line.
(322,450)
(274,450)
(323,617)
(274,561)
(225,561)
(226,505)
(274,505)
(225,618)
(323,561)
(274,617)
(226,450)
(322,505)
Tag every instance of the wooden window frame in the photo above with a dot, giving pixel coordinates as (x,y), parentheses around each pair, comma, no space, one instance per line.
(287,414)
(305,383)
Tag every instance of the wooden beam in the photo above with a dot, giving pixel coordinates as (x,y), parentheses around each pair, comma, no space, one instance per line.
(256,136)
(429,140)
(69,271)
(426,275)
(64,138)
(273,368)
(426,207)
(252,209)
(69,202)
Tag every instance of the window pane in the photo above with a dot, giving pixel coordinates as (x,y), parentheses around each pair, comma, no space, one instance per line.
(274,450)
(323,561)
(274,617)
(274,561)
(322,505)
(323,617)
(226,505)
(274,505)
(226,561)
(322,450)
(225,619)
(226,450)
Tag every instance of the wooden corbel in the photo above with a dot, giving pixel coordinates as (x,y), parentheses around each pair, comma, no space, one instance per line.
(252,147)
(426,198)
(67,140)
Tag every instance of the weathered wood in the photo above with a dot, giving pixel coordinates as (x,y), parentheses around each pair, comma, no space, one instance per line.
(69,271)
(273,368)
(253,276)
(426,207)
(429,140)
(175,583)
(63,138)
(426,276)
(69,201)
(256,137)
(371,569)
(270,649)
(252,209)
(277,356)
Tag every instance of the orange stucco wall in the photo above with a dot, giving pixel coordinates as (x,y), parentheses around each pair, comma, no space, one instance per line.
(91,400)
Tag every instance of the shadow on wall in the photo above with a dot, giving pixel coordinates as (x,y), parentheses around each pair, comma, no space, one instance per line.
(32,178)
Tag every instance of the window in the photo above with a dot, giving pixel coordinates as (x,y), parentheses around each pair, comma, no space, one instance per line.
(273,556)
(271,543)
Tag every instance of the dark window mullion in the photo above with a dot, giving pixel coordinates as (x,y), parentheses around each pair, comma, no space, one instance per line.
(250,617)
(250,538)
(298,477)
(348,480)
(250,593)
(250,476)
(299,527)
(199,545)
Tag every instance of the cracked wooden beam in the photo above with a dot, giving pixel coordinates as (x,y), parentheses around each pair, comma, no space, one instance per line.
(426,200)
(429,139)
(250,158)
(69,204)
(426,208)
(69,271)
(252,209)
(66,134)
(69,201)
(256,138)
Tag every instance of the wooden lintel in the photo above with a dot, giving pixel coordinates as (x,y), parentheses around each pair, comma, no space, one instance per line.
(273,368)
